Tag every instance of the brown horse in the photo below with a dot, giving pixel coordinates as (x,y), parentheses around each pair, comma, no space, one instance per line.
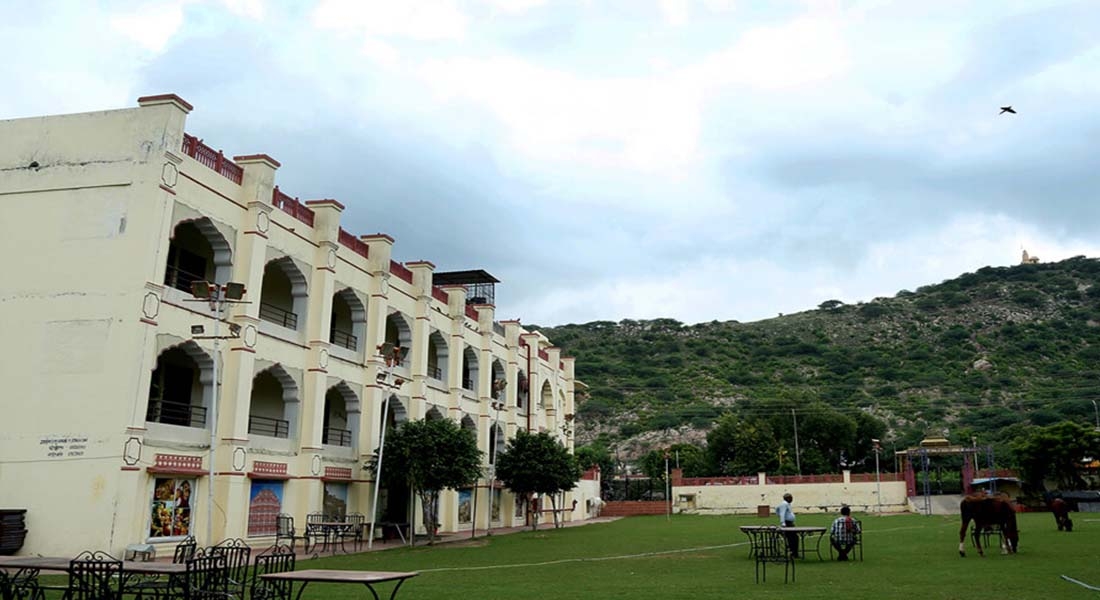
(988,511)
(1060,508)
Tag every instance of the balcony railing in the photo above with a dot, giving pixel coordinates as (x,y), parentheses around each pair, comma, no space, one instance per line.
(214,159)
(435,372)
(336,437)
(268,426)
(467,383)
(401,271)
(175,413)
(344,339)
(278,316)
(292,206)
(176,277)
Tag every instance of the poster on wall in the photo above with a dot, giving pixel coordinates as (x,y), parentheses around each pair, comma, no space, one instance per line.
(170,515)
(465,505)
(265,502)
(336,500)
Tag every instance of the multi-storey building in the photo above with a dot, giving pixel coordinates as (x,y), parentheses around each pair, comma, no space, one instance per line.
(123,417)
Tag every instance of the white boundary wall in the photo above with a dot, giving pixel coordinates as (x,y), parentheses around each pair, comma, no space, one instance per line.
(808,497)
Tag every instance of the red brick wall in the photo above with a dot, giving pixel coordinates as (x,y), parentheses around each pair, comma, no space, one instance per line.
(629,509)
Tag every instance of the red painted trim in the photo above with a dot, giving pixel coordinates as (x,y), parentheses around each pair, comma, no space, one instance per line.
(275,337)
(419,263)
(253,475)
(325,202)
(259,233)
(291,231)
(258,157)
(327,268)
(317,370)
(243,349)
(311,448)
(157,97)
(137,429)
(148,321)
(376,236)
(168,189)
(210,189)
(170,471)
(230,474)
(233,439)
(124,468)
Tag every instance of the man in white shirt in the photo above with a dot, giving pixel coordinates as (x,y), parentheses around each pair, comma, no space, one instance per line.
(786,519)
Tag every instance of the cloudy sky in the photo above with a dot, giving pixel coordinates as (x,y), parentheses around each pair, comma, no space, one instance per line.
(611,159)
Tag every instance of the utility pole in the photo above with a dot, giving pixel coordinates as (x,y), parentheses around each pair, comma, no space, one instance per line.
(878,483)
(1097,411)
(797,454)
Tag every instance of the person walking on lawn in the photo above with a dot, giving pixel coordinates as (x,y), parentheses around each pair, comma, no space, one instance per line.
(786,519)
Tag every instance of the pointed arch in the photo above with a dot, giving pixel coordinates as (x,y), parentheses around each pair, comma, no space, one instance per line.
(469,368)
(523,390)
(340,422)
(181,388)
(283,296)
(438,353)
(197,251)
(399,333)
(274,403)
(348,322)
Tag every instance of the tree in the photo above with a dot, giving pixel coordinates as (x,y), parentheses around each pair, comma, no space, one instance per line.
(692,461)
(429,456)
(596,454)
(737,447)
(1056,452)
(536,463)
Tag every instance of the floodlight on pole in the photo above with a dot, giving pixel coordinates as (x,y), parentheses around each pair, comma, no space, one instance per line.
(218,296)
(390,354)
(497,407)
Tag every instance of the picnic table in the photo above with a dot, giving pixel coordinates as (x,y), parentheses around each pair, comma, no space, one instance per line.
(367,578)
(15,570)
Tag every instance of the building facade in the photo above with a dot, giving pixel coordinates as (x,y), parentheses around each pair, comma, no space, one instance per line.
(132,414)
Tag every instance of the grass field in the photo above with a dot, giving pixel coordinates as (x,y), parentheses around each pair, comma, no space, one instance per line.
(696,557)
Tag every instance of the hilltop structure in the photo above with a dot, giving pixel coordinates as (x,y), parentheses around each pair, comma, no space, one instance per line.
(129,400)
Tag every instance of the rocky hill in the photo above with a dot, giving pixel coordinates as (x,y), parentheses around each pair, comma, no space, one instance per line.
(976,357)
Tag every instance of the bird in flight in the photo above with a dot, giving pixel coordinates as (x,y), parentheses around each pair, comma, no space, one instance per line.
(1006,109)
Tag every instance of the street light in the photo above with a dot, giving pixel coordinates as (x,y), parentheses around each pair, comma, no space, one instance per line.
(218,296)
(391,355)
(878,486)
(497,405)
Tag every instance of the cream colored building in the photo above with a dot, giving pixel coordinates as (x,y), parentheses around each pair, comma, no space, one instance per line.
(107,413)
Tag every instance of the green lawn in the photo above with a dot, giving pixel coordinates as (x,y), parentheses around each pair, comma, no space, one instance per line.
(906,556)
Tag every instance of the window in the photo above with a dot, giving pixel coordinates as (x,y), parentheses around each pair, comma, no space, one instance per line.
(170,514)
(336,499)
(465,502)
(264,505)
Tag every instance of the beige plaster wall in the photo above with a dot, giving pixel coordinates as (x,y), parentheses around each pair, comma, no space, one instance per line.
(808,497)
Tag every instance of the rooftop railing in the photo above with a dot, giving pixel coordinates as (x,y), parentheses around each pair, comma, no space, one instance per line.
(214,159)
(401,271)
(356,245)
(291,206)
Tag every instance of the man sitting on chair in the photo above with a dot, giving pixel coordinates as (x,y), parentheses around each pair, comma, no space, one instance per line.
(843,533)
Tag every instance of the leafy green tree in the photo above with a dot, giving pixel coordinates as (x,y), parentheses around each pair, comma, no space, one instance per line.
(430,456)
(691,458)
(596,454)
(536,463)
(739,447)
(1056,452)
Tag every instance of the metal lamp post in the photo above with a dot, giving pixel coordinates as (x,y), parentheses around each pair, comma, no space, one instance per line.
(497,406)
(878,486)
(218,296)
(391,355)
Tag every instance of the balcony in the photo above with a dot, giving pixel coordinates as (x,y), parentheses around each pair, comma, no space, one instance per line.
(268,426)
(336,437)
(278,316)
(292,206)
(344,339)
(180,279)
(468,383)
(193,147)
(175,413)
(435,372)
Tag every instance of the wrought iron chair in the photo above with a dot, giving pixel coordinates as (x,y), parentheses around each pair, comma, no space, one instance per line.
(314,529)
(94,576)
(276,559)
(356,529)
(236,553)
(155,586)
(773,548)
(20,584)
(284,530)
(206,578)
